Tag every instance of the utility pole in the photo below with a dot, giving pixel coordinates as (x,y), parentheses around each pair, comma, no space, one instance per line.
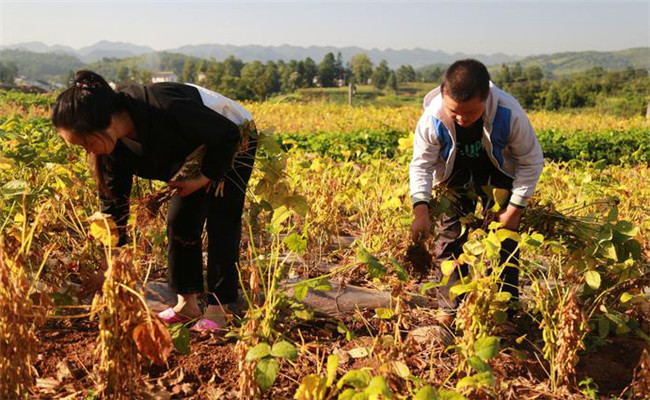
(352,89)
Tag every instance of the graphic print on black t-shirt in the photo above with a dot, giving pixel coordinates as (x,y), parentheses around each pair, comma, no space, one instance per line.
(471,158)
(472,166)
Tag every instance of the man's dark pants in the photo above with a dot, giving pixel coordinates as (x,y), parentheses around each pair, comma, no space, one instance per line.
(449,246)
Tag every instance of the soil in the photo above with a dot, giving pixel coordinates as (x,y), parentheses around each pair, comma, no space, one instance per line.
(67,356)
(612,366)
(210,371)
(418,260)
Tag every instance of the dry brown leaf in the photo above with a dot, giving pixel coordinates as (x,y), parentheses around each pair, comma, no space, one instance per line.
(153,341)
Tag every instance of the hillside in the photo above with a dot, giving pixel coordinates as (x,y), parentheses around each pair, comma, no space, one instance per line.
(560,64)
(45,66)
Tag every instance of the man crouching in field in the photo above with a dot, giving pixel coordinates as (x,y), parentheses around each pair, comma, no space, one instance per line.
(471,134)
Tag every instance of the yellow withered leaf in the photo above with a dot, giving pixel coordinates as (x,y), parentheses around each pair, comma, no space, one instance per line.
(501,196)
(104,229)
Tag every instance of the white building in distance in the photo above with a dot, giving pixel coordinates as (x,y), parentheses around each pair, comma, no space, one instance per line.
(165,76)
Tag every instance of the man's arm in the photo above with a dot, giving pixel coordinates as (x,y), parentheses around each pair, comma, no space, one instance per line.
(527,152)
(425,154)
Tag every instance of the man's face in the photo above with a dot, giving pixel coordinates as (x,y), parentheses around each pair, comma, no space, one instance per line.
(465,113)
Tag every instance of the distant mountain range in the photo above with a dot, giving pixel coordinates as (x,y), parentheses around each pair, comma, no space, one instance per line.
(39,61)
(88,54)
(415,57)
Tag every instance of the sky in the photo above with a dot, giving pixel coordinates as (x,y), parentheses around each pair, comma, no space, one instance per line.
(512,27)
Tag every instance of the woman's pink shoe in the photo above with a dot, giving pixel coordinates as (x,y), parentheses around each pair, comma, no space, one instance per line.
(206,325)
(169,316)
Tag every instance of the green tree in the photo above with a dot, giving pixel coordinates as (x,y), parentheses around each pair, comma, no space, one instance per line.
(214,76)
(291,78)
(233,66)
(429,74)
(533,73)
(123,74)
(273,77)
(188,74)
(253,76)
(361,68)
(8,72)
(553,100)
(327,71)
(405,73)
(505,76)
(381,74)
(311,71)
(517,72)
(391,83)
(340,68)
(145,77)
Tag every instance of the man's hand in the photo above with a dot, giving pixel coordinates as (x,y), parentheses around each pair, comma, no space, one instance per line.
(510,217)
(185,188)
(421,224)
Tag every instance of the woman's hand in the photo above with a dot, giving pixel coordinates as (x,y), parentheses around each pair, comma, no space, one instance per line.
(187,187)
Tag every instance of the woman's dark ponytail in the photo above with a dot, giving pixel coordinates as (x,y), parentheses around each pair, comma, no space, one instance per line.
(84,108)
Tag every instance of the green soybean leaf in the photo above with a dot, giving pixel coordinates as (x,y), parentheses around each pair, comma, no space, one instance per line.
(296,243)
(259,351)
(323,285)
(478,364)
(536,239)
(378,387)
(332,364)
(300,291)
(280,215)
(505,234)
(375,268)
(284,349)
(357,378)
(481,379)
(487,347)
(605,233)
(266,372)
(399,270)
(180,337)
(593,279)
(627,296)
(298,204)
(447,267)
(426,393)
(626,228)
(446,394)
(474,247)
(457,290)
(351,394)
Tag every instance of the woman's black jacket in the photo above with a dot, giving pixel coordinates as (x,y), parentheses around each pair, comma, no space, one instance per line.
(171,121)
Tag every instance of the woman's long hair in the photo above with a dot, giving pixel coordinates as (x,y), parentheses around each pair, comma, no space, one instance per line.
(85,108)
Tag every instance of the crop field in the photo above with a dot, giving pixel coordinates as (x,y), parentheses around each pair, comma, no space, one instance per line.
(336,303)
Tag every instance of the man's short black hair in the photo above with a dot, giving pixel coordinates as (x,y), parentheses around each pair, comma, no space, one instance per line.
(466,79)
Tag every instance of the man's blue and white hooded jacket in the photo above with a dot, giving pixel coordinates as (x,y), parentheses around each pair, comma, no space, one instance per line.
(508,138)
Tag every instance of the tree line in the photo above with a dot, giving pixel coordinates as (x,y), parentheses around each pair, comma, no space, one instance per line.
(258,81)
(625,92)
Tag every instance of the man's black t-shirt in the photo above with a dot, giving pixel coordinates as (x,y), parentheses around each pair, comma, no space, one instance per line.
(472,166)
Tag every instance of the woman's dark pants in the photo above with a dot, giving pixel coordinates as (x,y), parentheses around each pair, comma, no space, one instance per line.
(222,207)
